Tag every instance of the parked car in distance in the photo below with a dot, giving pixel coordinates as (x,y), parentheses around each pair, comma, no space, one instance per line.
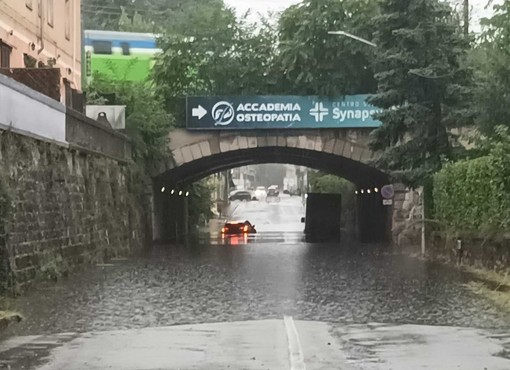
(273,189)
(241,195)
(238,227)
(260,192)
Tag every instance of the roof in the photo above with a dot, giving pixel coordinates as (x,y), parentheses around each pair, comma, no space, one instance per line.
(117,35)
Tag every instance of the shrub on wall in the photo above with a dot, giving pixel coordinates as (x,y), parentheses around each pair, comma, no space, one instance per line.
(473,196)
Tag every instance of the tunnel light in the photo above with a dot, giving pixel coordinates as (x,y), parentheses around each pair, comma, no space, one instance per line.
(163,189)
(376,190)
(180,193)
(172,192)
(362,191)
(368,191)
(356,192)
(187,193)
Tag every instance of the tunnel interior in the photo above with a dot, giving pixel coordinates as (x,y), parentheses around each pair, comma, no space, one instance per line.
(373,218)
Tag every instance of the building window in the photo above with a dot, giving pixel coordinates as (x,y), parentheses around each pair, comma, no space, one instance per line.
(68,20)
(28,3)
(49,12)
(102,47)
(5,55)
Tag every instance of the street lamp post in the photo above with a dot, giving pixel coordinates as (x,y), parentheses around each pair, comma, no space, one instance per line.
(350,35)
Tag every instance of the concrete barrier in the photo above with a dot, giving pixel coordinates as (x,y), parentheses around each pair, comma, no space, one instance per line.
(28,112)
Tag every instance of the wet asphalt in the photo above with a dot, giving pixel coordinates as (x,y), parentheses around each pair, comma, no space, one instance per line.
(265,276)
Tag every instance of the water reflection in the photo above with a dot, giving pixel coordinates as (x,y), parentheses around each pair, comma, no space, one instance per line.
(236,240)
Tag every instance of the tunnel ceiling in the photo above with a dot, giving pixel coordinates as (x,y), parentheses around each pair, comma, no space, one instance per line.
(360,174)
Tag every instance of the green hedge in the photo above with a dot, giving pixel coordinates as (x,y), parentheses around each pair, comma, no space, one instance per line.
(472,196)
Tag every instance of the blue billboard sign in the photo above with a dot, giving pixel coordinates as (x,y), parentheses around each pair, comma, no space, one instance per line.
(279,112)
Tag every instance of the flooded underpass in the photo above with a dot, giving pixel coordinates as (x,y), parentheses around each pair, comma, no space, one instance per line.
(265,276)
(261,276)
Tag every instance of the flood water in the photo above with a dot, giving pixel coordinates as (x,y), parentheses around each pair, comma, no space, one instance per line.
(265,276)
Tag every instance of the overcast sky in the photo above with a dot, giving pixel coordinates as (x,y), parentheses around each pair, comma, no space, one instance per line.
(263,6)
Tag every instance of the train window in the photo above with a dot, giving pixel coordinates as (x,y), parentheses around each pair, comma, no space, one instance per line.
(125,48)
(102,47)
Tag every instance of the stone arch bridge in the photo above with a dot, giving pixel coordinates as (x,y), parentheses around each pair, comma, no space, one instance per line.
(343,152)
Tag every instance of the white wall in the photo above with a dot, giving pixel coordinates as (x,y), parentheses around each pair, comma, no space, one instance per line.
(28,112)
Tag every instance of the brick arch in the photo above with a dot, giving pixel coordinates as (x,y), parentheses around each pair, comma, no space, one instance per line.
(198,154)
(343,152)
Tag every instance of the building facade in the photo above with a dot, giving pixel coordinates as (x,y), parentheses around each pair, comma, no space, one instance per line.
(42,33)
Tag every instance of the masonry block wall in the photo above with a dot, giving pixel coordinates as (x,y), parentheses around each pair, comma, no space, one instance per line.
(65,208)
(407,214)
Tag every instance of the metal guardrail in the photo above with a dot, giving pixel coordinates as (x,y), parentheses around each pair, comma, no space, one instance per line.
(87,134)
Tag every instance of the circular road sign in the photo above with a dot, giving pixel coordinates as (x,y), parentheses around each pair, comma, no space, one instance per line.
(388,192)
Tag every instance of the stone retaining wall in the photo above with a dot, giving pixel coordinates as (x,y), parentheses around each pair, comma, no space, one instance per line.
(68,208)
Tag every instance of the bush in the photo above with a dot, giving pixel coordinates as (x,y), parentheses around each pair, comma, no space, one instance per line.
(472,196)
(325,183)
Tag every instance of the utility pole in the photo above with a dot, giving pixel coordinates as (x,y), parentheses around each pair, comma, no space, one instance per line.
(466,17)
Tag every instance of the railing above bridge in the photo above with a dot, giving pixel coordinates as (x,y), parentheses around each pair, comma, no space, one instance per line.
(87,134)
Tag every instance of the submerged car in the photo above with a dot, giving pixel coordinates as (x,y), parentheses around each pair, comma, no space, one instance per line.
(238,227)
(241,195)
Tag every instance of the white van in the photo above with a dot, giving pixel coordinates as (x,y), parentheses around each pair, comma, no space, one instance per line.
(260,192)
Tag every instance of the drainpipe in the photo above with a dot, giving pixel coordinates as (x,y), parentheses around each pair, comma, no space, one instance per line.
(74,43)
(41,19)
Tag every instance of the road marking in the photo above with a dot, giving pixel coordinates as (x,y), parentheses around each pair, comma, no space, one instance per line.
(297,360)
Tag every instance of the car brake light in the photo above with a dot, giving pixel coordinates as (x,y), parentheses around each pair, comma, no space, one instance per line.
(246,228)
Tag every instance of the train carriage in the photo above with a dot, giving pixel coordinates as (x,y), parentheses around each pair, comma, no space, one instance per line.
(125,56)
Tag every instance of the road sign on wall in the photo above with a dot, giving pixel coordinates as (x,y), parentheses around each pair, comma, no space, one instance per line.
(279,112)
(388,192)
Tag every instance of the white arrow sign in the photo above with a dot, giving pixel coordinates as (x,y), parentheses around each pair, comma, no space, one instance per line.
(199,112)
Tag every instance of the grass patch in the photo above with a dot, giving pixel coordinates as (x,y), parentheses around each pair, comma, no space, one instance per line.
(9,317)
(497,280)
(500,299)
(490,284)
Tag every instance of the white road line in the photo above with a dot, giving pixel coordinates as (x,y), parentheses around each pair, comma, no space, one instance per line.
(297,360)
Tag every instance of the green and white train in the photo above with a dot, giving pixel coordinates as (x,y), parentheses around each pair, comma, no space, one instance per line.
(125,56)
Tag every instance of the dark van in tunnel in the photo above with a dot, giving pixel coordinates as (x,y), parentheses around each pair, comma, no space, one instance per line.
(323,217)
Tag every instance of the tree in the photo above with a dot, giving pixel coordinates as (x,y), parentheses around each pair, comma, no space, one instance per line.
(316,63)
(104,14)
(200,202)
(422,86)
(321,182)
(219,55)
(147,122)
(134,16)
(490,60)
(135,23)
